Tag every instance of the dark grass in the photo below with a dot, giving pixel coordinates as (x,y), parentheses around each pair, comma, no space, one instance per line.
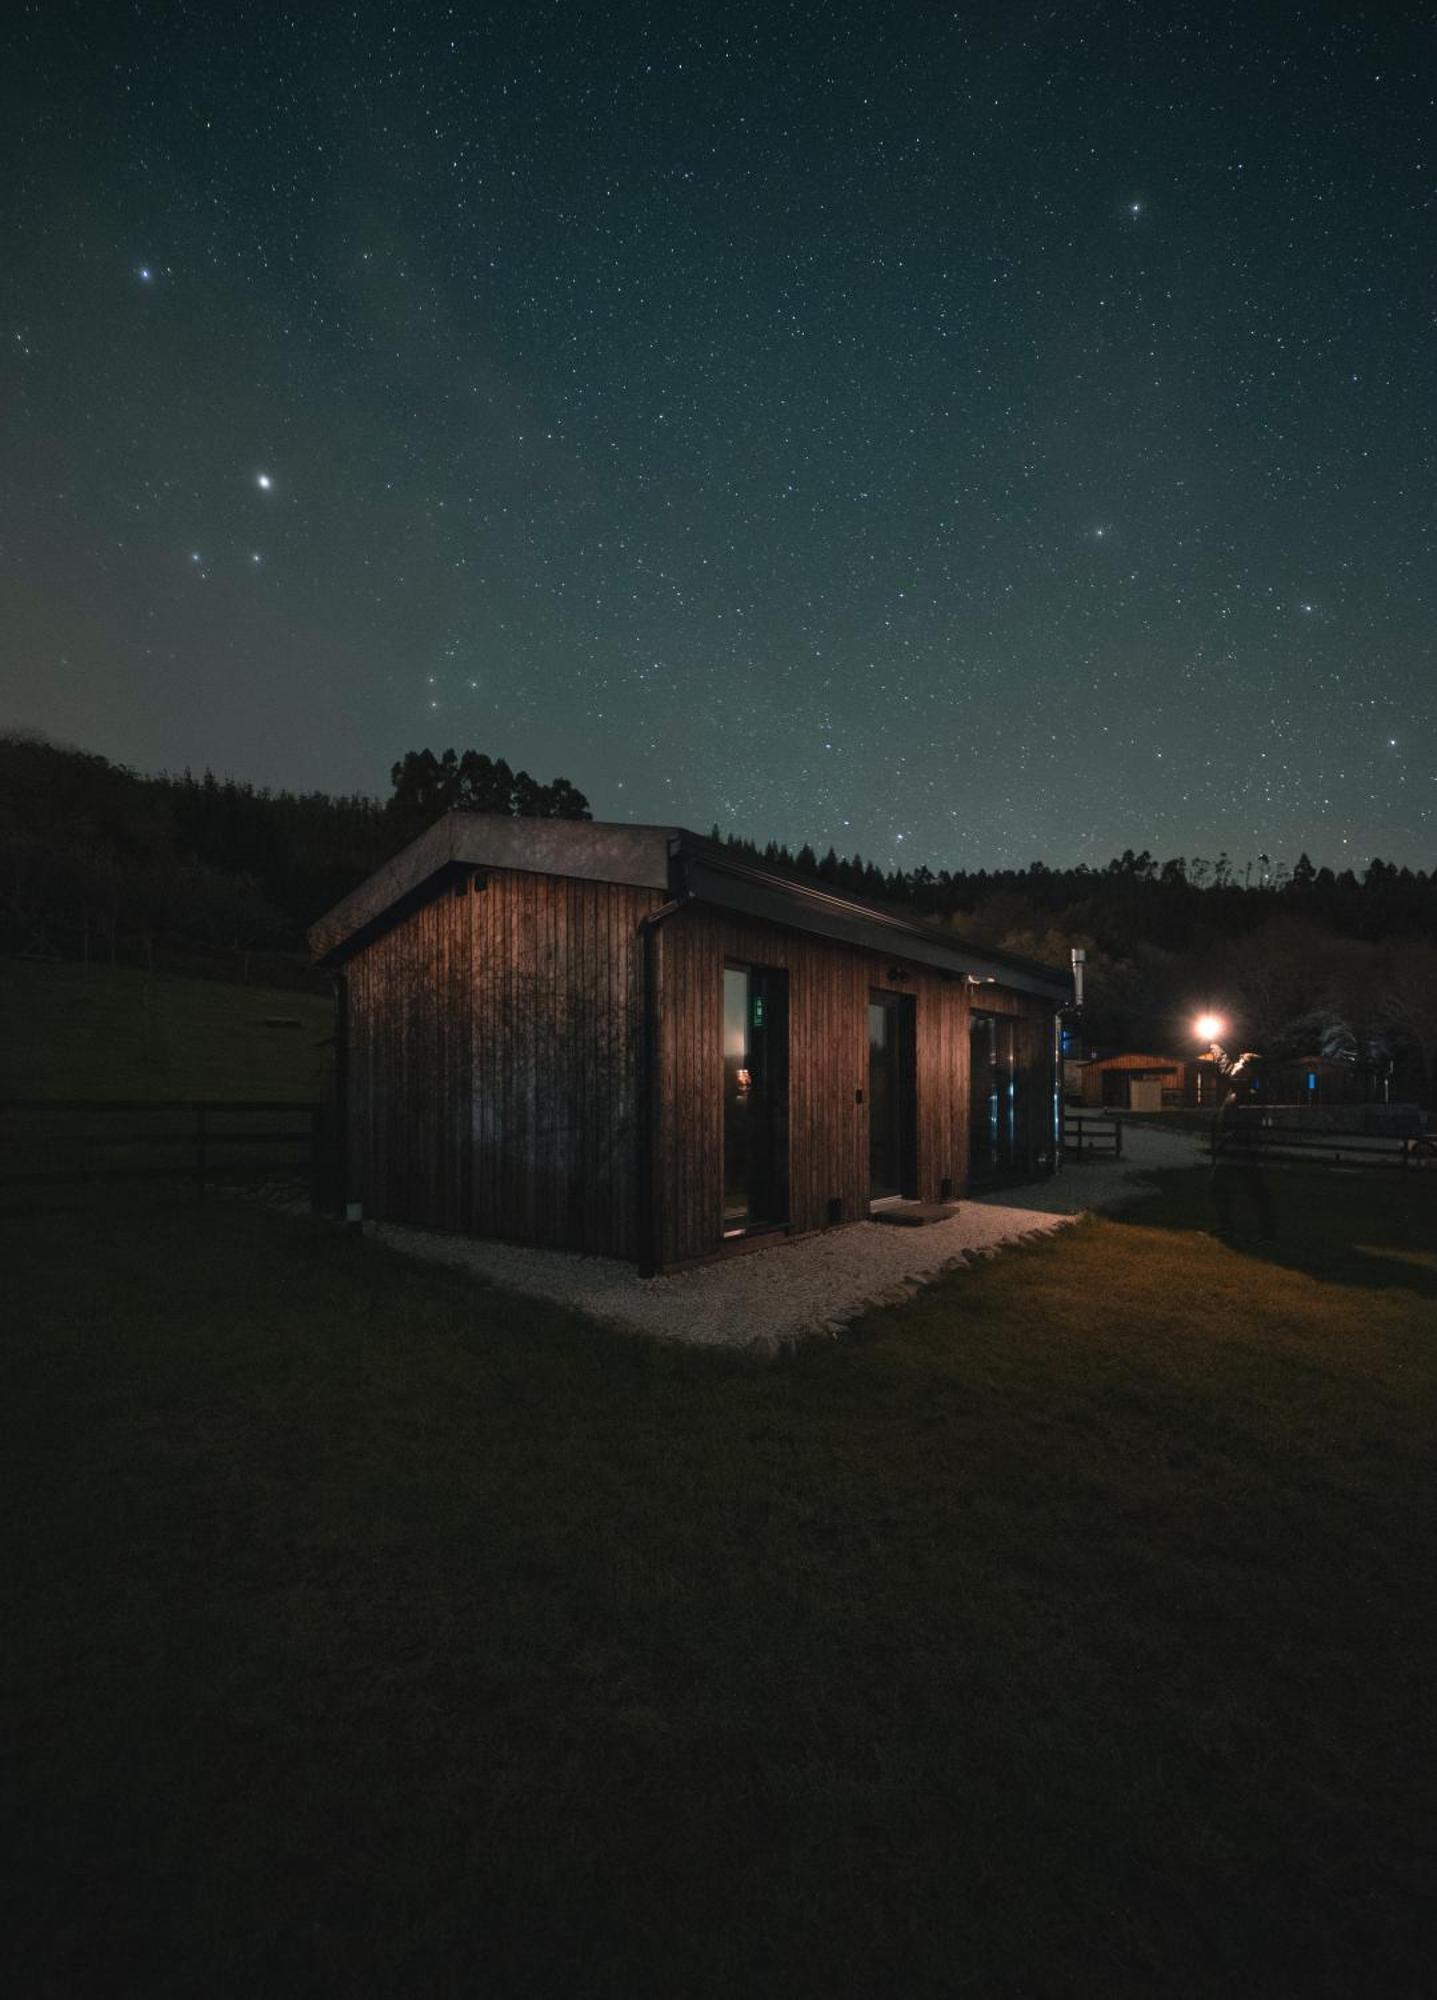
(1067,1631)
(71,1030)
(110,1033)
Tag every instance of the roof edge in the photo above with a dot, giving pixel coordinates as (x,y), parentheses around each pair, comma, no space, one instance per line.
(854,919)
(664,859)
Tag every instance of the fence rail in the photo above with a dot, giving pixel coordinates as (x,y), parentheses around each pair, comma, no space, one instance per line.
(199,1141)
(1088,1136)
(1275,1143)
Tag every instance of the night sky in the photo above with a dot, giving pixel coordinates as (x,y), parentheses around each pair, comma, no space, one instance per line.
(963,434)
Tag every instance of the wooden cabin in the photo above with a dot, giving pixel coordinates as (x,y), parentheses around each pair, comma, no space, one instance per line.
(1135,1082)
(1288,1080)
(626,1040)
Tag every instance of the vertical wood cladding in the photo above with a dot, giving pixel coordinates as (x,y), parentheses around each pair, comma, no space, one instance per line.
(493,1048)
(493,1066)
(828,989)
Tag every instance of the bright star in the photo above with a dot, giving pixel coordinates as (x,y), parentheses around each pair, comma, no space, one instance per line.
(263,481)
(145,274)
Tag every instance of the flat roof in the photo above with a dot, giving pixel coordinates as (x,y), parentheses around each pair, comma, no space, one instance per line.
(674,863)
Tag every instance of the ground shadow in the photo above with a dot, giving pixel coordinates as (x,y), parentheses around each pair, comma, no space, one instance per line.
(1375,1232)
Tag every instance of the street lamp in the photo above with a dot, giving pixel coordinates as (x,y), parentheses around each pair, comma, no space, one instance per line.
(1210,1028)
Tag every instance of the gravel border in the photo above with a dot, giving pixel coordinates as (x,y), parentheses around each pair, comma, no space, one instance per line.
(812,1284)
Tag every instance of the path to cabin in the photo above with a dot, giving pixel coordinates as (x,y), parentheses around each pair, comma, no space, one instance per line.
(816,1284)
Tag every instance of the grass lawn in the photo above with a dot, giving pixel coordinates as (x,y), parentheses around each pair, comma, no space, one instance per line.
(70,1030)
(1065,1631)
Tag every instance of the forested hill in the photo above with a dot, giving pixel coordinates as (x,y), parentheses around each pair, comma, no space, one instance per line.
(1300,960)
(1133,898)
(97,860)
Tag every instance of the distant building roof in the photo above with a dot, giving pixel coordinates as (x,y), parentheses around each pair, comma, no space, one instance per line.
(1127,1058)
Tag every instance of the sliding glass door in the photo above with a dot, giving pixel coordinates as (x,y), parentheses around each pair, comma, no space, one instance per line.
(755,1098)
(1000,1142)
(993,1104)
(892,1097)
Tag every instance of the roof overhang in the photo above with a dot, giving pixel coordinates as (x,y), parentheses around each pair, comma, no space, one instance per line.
(709,876)
(461,843)
(673,863)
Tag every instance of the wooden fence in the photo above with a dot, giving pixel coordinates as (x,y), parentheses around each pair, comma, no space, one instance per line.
(195,1142)
(1276,1144)
(1086,1136)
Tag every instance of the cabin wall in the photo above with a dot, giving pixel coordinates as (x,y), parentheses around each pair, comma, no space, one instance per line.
(1099,1093)
(828,989)
(493,1046)
(493,1059)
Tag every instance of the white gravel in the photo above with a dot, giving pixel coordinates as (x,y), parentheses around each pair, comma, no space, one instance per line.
(814,1284)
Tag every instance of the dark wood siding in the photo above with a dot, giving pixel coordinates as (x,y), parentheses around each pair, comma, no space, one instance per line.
(828,989)
(492,1063)
(493,1058)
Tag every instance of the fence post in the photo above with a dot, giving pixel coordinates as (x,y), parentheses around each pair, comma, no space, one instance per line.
(201,1133)
(316,1158)
(1117,1138)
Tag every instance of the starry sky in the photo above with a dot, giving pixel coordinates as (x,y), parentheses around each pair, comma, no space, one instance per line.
(965,434)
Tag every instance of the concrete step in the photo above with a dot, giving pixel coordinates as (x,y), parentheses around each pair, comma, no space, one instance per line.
(914,1214)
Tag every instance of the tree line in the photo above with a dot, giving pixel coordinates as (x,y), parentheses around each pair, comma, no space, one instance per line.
(99,861)
(211,874)
(1301,960)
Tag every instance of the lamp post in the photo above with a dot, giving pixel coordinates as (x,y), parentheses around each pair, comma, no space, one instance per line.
(1210,1028)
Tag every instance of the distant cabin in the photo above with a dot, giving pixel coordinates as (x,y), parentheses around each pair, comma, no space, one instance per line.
(1323,1080)
(627,1040)
(1135,1082)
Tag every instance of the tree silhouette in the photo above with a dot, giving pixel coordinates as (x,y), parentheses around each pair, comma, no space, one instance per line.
(426,787)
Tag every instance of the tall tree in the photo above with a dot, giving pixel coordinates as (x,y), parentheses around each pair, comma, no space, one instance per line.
(426,787)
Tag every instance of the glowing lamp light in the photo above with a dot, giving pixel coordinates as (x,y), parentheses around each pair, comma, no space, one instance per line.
(1208,1027)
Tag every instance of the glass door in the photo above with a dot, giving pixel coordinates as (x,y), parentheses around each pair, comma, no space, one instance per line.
(998,1136)
(755,1098)
(892,1107)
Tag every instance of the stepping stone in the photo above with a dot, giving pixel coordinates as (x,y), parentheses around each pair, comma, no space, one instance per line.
(913,1214)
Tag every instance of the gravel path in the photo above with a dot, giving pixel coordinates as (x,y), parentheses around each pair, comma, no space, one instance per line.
(816,1284)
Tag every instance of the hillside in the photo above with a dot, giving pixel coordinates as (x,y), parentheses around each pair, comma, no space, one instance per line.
(69,1030)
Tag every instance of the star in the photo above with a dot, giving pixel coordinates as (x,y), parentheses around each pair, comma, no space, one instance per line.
(263,481)
(146,274)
